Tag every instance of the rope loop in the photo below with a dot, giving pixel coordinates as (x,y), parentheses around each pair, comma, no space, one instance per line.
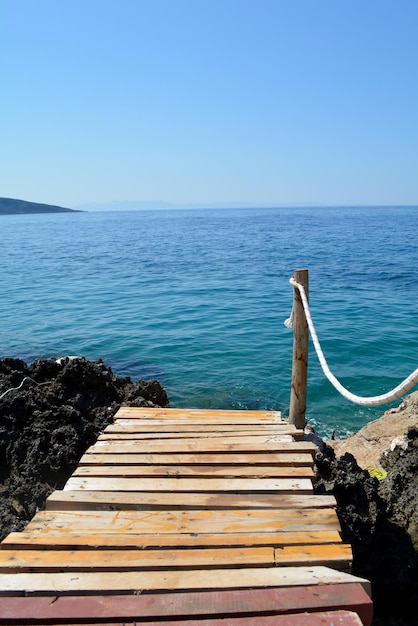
(385,398)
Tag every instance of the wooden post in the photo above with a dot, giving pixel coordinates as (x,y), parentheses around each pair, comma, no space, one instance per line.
(300,354)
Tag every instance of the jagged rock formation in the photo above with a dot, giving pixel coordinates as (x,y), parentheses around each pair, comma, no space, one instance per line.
(47,424)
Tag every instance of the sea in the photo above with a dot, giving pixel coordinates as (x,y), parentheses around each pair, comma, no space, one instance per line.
(197,298)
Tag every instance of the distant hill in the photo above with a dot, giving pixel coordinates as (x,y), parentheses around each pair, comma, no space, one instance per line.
(9,206)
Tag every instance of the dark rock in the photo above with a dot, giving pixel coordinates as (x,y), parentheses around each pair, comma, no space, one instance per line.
(383,551)
(48,423)
(400,489)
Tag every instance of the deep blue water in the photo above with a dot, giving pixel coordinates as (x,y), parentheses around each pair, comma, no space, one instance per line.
(197,298)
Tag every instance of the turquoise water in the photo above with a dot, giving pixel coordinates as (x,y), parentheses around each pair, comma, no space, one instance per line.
(197,299)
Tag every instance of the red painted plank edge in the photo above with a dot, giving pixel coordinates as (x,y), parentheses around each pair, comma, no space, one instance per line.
(329,618)
(208,604)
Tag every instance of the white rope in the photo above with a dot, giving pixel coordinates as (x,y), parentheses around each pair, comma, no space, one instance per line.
(396,393)
(61,361)
(21,385)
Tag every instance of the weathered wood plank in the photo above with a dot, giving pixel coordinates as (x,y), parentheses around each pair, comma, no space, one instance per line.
(323,618)
(16,561)
(203,443)
(118,500)
(120,435)
(169,426)
(201,414)
(251,444)
(133,582)
(194,471)
(56,539)
(195,485)
(173,499)
(337,555)
(186,521)
(270,601)
(302,459)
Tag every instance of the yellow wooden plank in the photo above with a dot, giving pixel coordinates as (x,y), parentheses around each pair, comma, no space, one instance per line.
(213,434)
(186,521)
(282,458)
(176,426)
(167,437)
(193,485)
(15,561)
(52,538)
(200,443)
(194,471)
(249,444)
(134,582)
(203,414)
(338,555)
(118,500)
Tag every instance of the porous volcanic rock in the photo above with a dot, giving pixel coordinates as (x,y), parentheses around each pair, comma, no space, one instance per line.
(400,487)
(48,423)
(379,518)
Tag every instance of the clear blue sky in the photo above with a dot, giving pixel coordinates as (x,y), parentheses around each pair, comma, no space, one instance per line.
(197,101)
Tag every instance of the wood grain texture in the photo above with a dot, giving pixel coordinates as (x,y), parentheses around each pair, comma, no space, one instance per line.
(208,604)
(180,504)
(137,581)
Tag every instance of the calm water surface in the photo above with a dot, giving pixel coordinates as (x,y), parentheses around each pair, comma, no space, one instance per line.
(197,298)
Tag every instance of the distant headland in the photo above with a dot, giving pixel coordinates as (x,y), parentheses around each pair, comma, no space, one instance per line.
(9,206)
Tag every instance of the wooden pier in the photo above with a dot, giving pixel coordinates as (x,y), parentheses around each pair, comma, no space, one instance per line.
(183,516)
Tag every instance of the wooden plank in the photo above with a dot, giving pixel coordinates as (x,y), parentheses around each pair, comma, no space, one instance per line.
(338,556)
(117,500)
(169,426)
(161,505)
(299,459)
(342,618)
(186,521)
(133,582)
(127,608)
(201,414)
(195,485)
(212,434)
(213,443)
(251,444)
(214,421)
(15,561)
(194,471)
(172,437)
(56,539)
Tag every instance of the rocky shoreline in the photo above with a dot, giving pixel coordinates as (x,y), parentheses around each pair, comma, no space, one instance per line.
(48,423)
(62,405)
(379,519)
